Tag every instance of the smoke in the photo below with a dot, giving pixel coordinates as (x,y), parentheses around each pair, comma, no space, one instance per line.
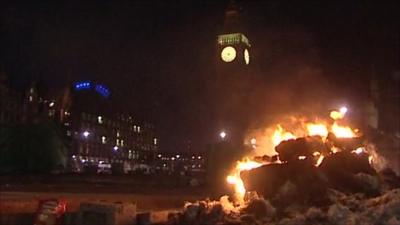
(291,81)
(378,161)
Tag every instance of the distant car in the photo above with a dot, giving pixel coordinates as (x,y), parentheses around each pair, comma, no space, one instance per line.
(104,168)
(146,169)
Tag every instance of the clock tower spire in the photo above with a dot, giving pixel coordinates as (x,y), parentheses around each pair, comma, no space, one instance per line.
(232,21)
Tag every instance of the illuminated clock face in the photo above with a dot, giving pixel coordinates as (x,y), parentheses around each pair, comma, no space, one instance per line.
(246,56)
(228,54)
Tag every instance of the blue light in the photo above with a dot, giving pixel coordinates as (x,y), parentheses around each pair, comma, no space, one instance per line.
(102,90)
(83,85)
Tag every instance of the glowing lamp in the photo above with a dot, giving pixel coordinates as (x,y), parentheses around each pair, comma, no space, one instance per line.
(222,134)
(86,134)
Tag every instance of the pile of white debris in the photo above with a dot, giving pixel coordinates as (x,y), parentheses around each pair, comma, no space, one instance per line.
(345,209)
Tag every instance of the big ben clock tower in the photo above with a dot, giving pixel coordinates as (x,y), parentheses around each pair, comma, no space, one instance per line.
(233,47)
(233,60)
(232,97)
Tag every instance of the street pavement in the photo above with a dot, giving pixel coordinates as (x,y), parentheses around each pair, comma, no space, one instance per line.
(27,202)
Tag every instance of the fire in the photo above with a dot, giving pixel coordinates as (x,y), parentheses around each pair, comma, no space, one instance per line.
(342,132)
(319,161)
(317,129)
(337,115)
(320,158)
(234,178)
(281,135)
(358,150)
(297,128)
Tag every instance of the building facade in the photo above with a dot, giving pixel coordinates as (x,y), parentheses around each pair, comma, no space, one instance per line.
(111,139)
(181,163)
(99,135)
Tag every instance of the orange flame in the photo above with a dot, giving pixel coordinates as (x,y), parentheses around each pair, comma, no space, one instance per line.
(235,179)
(319,161)
(337,115)
(281,135)
(342,131)
(317,129)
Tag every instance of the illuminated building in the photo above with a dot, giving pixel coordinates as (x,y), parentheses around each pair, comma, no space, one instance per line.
(181,163)
(98,134)
(113,139)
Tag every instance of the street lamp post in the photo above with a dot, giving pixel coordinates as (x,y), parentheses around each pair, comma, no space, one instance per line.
(86,135)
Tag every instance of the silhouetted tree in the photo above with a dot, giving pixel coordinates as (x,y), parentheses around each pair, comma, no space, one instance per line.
(32,148)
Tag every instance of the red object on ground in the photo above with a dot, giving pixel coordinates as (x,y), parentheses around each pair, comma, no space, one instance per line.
(50,212)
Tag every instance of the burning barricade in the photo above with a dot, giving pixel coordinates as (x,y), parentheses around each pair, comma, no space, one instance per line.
(320,172)
(322,156)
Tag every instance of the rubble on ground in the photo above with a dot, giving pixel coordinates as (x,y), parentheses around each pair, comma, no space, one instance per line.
(349,209)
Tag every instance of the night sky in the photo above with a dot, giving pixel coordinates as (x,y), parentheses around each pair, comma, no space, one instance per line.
(158,57)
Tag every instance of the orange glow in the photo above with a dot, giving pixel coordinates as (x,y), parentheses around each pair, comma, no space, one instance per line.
(358,151)
(337,115)
(281,135)
(317,129)
(319,161)
(234,177)
(342,132)
(296,127)
(335,149)
(370,159)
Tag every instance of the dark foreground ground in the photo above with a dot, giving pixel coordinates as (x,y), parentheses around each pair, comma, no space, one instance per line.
(20,194)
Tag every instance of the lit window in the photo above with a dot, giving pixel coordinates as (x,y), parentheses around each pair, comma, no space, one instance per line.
(134,155)
(155,141)
(138,129)
(122,143)
(118,134)
(103,139)
(134,128)
(117,142)
(30,98)
(100,120)
(130,154)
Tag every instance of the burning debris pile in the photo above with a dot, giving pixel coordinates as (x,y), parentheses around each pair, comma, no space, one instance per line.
(307,161)
(318,173)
